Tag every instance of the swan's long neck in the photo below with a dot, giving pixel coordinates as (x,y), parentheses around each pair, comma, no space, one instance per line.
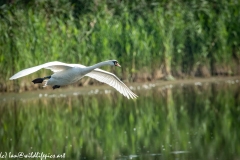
(98,65)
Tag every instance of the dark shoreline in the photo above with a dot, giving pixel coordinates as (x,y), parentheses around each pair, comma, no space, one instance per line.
(85,89)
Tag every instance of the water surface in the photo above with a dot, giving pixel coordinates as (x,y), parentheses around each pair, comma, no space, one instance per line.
(174,121)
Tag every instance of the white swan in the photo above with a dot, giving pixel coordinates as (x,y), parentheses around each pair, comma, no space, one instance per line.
(65,74)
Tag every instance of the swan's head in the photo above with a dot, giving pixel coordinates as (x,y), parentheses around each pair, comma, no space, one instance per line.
(115,63)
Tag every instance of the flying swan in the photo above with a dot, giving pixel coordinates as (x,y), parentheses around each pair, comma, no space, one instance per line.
(65,74)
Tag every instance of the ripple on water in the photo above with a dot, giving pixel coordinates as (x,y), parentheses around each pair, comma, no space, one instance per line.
(150,155)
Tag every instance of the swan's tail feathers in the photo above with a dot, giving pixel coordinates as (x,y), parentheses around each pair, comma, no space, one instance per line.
(45,83)
(38,80)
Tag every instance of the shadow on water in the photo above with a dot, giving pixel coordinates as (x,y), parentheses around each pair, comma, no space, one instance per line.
(182,121)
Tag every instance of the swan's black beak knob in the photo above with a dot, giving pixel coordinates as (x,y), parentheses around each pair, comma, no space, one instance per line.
(117,64)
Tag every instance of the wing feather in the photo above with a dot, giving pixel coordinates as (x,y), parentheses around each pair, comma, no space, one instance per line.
(53,66)
(112,80)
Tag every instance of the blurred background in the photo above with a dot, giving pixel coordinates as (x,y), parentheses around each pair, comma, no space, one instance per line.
(196,43)
(150,39)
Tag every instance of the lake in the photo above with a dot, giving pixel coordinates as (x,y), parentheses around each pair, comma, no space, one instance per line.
(195,120)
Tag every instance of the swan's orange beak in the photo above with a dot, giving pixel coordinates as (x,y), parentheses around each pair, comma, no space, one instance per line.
(117,64)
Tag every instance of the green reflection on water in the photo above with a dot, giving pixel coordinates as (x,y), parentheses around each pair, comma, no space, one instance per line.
(180,122)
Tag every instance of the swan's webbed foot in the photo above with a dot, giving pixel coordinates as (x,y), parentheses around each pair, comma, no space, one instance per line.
(40,80)
(48,77)
(56,86)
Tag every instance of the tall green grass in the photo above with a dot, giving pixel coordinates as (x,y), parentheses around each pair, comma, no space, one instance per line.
(178,38)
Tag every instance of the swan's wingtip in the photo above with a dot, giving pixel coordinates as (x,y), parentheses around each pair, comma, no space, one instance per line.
(134,97)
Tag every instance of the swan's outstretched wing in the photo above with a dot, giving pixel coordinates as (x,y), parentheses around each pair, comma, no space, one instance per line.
(53,66)
(112,80)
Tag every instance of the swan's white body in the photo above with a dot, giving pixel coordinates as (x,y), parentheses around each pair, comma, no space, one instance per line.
(65,74)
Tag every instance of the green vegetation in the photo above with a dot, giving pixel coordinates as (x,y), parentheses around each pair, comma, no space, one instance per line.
(201,119)
(180,38)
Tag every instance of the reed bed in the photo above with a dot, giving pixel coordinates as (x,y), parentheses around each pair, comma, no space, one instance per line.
(151,39)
